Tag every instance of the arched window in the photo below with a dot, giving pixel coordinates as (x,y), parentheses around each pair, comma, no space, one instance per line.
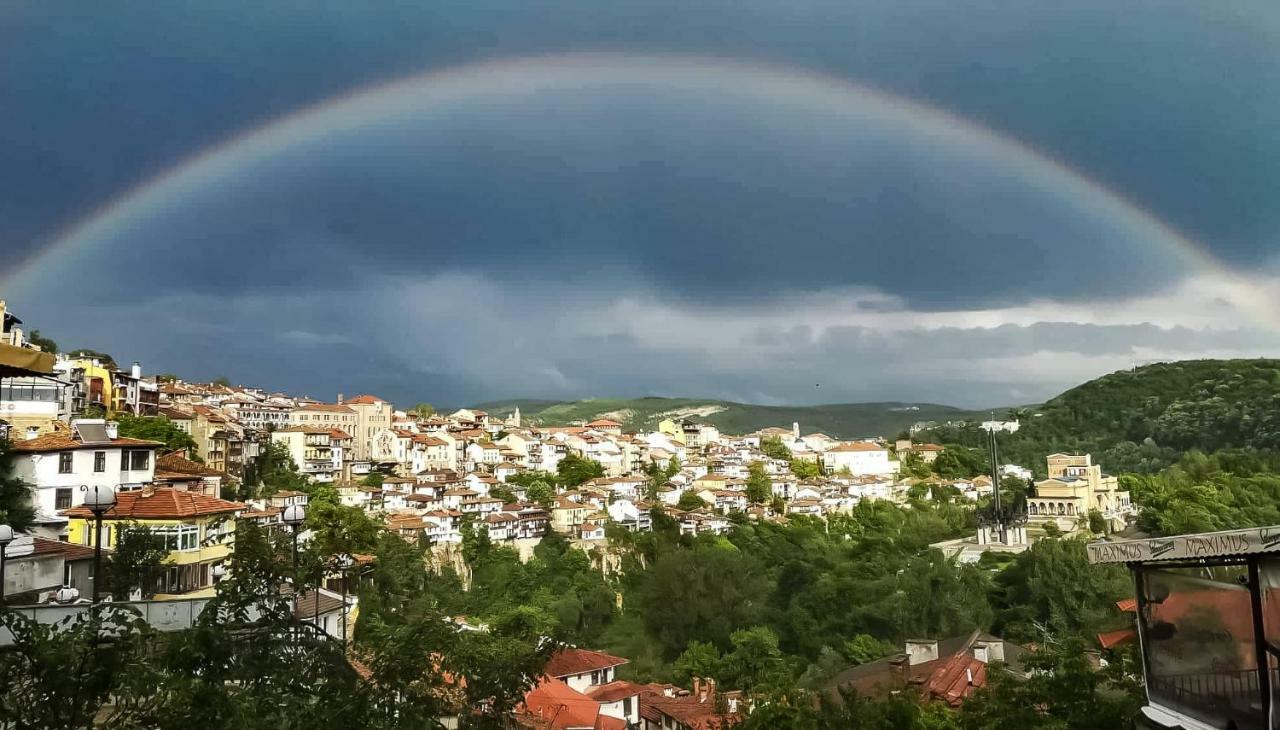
(1031,509)
(1071,509)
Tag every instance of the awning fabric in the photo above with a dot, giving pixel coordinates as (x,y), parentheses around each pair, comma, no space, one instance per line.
(20,361)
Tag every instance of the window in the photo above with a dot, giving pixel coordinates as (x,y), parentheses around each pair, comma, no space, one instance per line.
(62,498)
(64,462)
(99,461)
(626,706)
(135,460)
(179,537)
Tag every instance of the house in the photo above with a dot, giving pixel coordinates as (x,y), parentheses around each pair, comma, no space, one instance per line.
(860,458)
(590,531)
(554,705)
(567,514)
(311,449)
(620,699)
(1075,487)
(35,568)
(175,470)
(373,415)
(582,669)
(947,670)
(606,426)
(663,708)
(630,515)
(198,530)
(91,453)
(501,525)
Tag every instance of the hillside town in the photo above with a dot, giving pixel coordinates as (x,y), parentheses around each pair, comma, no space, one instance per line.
(434,478)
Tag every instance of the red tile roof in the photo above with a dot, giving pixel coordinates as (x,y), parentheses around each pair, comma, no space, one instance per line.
(956,679)
(561,706)
(66,442)
(567,662)
(1109,639)
(175,462)
(857,447)
(614,691)
(325,408)
(365,400)
(161,504)
(68,551)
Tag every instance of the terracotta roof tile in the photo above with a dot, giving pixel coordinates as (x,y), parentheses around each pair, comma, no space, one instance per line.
(571,661)
(161,504)
(66,442)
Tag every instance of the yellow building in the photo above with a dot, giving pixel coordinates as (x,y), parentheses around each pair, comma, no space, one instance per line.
(199,530)
(1076,486)
(672,429)
(567,514)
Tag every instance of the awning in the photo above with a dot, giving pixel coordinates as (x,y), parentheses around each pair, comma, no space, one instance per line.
(20,362)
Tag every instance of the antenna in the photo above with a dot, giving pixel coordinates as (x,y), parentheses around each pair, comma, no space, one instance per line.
(995,482)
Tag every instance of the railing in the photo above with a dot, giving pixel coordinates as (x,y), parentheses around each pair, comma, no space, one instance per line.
(175,615)
(1213,697)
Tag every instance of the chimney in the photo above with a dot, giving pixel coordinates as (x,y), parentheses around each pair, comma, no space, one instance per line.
(32,432)
(113,430)
(340,399)
(968,675)
(711,689)
(920,651)
(149,490)
(697,687)
(136,370)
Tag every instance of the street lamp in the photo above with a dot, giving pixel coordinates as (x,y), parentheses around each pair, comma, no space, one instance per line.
(294,515)
(6,537)
(344,563)
(98,499)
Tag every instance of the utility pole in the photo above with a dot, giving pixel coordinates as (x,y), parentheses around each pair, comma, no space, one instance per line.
(995,483)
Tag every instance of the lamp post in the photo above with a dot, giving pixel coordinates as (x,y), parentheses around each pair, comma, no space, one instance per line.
(344,563)
(6,537)
(98,499)
(294,515)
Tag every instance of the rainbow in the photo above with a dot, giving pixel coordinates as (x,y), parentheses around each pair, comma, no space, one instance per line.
(513,77)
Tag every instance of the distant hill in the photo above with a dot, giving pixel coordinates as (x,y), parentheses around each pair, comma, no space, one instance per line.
(1142,420)
(843,420)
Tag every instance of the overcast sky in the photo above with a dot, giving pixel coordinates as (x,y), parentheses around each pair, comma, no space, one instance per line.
(974,203)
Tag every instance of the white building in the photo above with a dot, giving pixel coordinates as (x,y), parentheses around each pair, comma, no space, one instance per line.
(59,464)
(860,459)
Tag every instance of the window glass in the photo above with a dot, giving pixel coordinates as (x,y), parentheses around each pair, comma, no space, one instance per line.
(64,462)
(62,498)
(1199,640)
(140,460)
(99,461)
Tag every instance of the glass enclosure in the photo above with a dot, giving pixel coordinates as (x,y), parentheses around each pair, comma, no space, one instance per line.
(1199,643)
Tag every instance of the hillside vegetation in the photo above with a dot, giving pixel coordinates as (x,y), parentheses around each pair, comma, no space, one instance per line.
(842,420)
(1143,420)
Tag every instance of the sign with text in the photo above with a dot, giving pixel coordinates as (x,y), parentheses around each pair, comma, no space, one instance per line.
(1187,547)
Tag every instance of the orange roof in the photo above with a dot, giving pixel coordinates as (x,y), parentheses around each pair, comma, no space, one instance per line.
(956,679)
(338,433)
(175,462)
(1109,639)
(66,442)
(604,422)
(614,691)
(568,662)
(858,447)
(161,504)
(561,706)
(1129,605)
(365,400)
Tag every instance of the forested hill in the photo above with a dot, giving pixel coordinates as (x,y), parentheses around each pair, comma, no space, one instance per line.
(1142,420)
(841,420)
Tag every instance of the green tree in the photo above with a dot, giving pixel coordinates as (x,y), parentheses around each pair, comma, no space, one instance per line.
(804,469)
(703,594)
(275,470)
(759,486)
(541,492)
(44,343)
(773,447)
(700,659)
(102,357)
(157,428)
(574,470)
(135,562)
(222,380)
(424,410)
(373,479)
(16,509)
(755,659)
(690,501)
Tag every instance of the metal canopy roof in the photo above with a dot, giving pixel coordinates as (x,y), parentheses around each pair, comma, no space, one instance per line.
(1229,543)
(20,361)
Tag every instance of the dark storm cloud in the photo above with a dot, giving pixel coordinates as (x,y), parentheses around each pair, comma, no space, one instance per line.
(1172,102)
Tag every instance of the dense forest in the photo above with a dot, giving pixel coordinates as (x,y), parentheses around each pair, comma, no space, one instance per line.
(1143,420)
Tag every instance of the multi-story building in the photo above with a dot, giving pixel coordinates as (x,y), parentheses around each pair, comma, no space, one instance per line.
(1076,486)
(372,415)
(199,532)
(265,415)
(860,458)
(131,393)
(311,448)
(58,466)
(327,415)
(33,403)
